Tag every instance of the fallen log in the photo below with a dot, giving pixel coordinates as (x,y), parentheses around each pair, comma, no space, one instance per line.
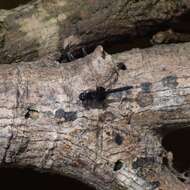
(59,27)
(117,142)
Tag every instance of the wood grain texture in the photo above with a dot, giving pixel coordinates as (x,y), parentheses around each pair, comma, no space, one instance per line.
(44,27)
(113,145)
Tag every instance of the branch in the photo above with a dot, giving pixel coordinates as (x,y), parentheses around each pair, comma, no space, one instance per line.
(113,143)
(57,27)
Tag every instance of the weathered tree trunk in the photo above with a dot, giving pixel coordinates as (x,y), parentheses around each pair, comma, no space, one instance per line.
(45,27)
(110,144)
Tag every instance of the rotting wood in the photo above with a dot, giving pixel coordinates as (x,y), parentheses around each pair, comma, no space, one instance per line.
(56,27)
(114,145)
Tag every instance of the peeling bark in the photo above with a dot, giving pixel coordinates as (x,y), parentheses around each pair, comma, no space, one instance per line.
(113,144)
(56,27)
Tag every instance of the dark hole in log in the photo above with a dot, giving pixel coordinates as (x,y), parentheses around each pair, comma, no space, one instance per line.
(10,4)
(12,178)
(118,139)
(118,165)
(178,141)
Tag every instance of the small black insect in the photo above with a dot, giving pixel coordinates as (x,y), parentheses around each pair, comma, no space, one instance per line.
(118,165)
(68,55)
(31,113)
(121,66)
(100,93)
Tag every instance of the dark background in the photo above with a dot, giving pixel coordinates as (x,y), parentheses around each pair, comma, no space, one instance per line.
(9,4)
(11,178)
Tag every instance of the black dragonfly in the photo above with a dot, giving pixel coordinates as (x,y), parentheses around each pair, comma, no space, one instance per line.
(100,94)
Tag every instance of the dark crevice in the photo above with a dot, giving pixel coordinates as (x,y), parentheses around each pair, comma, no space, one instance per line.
(113,44)
(176,142)
(28,178)
(10,4)
(181,23)
(120,43)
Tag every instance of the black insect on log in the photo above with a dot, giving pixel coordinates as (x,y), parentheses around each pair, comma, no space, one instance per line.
(100,94)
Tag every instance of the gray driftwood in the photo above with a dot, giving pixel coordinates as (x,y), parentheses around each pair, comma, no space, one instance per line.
(111,145)
(44,27)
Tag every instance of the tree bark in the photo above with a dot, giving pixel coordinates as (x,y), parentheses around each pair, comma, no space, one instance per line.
(110,144)
(55,27)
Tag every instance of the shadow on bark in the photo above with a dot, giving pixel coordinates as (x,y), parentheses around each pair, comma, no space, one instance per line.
(12,4)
